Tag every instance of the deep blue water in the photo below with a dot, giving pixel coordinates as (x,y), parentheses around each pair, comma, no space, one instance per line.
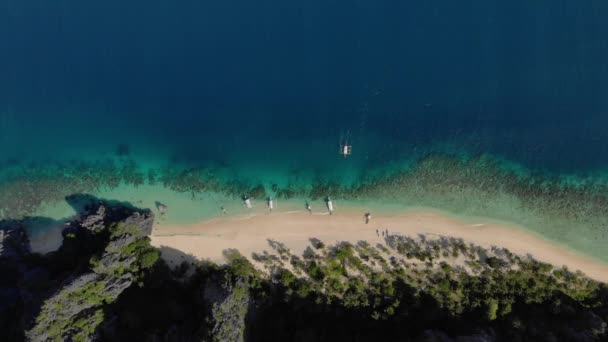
(525,80)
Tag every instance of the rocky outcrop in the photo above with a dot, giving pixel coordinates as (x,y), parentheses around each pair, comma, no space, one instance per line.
(105,250)
(76,309)
(14,243)
(14,246)
(229,300)
(142,221)
(96,215)
(95,222)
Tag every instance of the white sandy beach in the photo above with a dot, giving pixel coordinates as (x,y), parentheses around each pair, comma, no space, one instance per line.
(207,240)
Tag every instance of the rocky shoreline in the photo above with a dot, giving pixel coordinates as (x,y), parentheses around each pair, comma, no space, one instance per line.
(107,283)
(45,289)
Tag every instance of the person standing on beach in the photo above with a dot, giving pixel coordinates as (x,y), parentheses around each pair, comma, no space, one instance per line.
(368,217)
(308,207)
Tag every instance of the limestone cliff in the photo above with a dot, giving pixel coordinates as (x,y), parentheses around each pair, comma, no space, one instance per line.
(76,309)
(229,300)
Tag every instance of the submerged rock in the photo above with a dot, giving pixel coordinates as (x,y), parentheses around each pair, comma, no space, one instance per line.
(162,208)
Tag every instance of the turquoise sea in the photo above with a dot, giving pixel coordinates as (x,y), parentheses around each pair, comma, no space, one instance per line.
(482,108)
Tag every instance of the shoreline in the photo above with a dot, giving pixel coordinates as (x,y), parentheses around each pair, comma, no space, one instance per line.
(249,233)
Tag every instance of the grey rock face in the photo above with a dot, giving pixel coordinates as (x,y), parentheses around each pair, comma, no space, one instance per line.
(76,310)
(230,303)
(95,222)
(13,241)
(143,221)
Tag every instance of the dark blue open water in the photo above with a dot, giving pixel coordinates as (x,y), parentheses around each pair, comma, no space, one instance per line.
(525,80)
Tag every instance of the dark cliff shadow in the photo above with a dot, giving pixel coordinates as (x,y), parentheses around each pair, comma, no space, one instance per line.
(174,257)
(45,235)
(82,203)
(289,317)
(168,306)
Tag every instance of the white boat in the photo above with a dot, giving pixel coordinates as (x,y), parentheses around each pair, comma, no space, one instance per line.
(330,205)
(346,148)
(247,201)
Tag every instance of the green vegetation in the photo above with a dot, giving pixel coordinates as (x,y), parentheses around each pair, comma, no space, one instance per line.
(401,289)
(441,284)
(77,310)
(85,328)
(492,309)
(55,320)
(137,248)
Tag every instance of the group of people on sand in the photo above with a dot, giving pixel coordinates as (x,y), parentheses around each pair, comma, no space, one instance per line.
(384,232)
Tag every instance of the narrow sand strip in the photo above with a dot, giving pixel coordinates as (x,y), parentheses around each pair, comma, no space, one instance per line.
(207,240)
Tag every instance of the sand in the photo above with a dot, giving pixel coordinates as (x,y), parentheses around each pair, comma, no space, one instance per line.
(249,233)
